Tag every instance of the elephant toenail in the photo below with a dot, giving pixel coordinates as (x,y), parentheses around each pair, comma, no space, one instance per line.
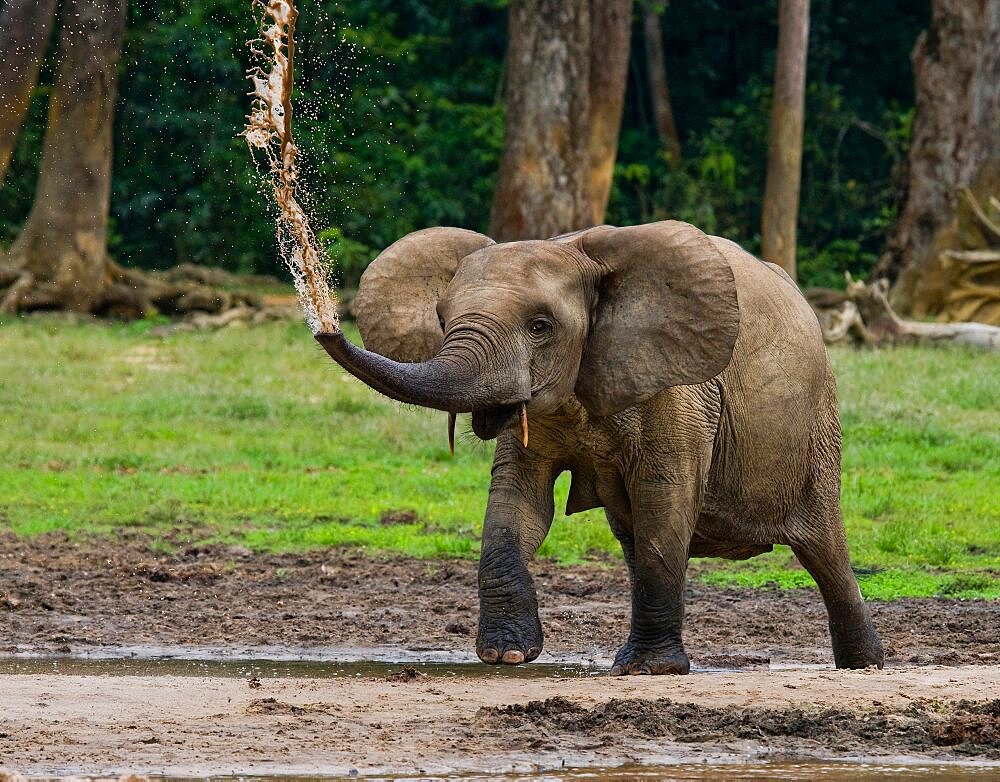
(617,670)
(489,656)
(513,657)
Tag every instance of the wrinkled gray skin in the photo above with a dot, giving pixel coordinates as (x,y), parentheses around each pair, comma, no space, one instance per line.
(682,382)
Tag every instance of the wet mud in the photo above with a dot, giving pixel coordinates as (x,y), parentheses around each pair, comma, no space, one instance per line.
(59,595)
(218,661)
(967,727)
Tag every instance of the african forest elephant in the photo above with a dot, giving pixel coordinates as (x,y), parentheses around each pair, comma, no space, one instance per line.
(682,382)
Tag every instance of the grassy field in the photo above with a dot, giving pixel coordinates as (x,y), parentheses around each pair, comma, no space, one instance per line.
(253,436)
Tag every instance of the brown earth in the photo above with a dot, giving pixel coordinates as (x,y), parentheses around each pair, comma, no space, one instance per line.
(939,697)
(58,594)
(437,724)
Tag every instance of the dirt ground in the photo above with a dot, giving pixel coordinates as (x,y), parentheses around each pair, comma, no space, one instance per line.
(778,696)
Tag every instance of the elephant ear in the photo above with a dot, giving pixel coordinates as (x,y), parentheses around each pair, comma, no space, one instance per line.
(666,314)
(396,305)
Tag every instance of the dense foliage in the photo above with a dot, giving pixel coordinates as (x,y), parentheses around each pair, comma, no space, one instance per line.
(401,119)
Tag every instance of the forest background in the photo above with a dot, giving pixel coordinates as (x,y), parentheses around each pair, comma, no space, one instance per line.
(401,117)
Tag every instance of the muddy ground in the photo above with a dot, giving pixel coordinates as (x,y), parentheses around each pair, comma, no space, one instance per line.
(939,697)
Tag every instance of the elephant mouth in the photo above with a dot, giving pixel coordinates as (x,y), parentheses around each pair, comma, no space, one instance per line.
(488,422)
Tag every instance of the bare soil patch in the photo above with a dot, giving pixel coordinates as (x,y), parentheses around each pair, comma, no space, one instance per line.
(437,724)
(59,594)
(766,690)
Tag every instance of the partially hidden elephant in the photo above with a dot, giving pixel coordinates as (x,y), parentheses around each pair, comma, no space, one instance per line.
(681,381)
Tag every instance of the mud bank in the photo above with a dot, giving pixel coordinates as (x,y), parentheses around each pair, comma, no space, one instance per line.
(218,661)
(447,723)
(59,595)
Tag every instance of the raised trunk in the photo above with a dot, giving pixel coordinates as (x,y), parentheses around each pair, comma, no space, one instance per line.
(659,90)
(784,153)
(63,245)
(543,187)
(443,383)
(610,31)
(956,64)
(25,26)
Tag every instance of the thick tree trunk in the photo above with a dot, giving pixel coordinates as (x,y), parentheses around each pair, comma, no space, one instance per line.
(25,26)
(784,153)
(60,260)
(63,245)
(659,90)
(956,64)
(544,174)
(610,31)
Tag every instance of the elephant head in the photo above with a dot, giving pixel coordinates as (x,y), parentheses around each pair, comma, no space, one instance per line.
(453,321)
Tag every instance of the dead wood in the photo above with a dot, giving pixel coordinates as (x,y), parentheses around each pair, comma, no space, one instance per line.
(862,315)
(970,273)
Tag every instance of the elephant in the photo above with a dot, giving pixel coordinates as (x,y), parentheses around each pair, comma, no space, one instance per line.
(682,382)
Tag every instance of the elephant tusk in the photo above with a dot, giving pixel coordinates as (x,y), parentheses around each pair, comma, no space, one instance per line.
(524,424)
(451,433)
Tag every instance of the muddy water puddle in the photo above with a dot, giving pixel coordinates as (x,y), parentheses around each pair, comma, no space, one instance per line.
(268,662)
(378,664)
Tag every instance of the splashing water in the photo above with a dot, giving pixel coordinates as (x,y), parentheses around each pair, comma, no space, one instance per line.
(269,130)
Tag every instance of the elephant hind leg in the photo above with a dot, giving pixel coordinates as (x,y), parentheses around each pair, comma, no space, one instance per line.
(819,541)
(855,641)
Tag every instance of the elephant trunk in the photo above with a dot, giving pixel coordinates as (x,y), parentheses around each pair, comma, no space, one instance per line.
(442,383)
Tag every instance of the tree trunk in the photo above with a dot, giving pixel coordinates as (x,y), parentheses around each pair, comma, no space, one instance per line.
(610,31)
(25,26)
(63,245)
(784,154)
(659,91)
(544,174)
(60,259)
(956,64)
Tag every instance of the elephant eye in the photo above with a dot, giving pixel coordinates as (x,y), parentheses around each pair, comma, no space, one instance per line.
(539,327)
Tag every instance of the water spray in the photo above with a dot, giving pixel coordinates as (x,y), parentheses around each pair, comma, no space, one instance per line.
(269,130)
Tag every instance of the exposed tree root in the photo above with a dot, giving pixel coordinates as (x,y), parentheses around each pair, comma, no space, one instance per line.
(17,291)
(205,297)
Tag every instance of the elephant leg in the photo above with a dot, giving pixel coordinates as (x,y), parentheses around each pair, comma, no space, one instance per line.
(820,543)
(627,541)
(663,523)
(518,516)
(855,641)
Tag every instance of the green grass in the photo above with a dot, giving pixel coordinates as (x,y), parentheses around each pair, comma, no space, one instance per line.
(253,436)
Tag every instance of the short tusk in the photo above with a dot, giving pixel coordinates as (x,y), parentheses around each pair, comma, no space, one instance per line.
(451,433)
(524,424)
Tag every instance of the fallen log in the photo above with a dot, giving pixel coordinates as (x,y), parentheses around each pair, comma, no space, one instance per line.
(862,315)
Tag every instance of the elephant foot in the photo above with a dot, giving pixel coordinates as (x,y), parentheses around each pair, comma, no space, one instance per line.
(861,649)
(633,660)
(507,641)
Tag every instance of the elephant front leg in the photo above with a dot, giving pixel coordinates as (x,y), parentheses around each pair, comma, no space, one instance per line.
(663,523)
(510,631)
(518,517)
